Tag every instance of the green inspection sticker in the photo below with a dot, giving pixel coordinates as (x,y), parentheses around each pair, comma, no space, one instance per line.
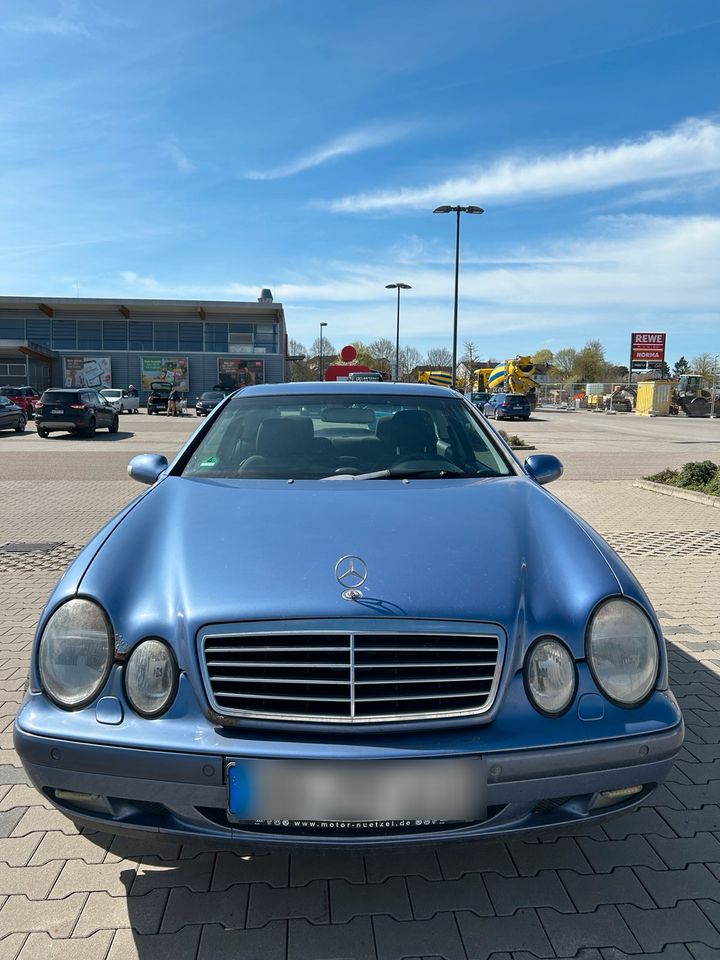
(209,462)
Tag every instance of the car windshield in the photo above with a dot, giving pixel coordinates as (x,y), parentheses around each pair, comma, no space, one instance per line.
(112,394)
(374,436)
(212,396)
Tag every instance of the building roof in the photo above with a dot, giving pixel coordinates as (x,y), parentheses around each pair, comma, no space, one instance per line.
(48,305)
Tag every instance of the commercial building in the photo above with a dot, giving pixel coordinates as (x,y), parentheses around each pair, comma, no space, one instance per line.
(64,341)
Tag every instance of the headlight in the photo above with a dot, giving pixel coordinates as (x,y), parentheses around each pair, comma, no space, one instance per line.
(75,654)
(150,678)
(622,651)
(550,676)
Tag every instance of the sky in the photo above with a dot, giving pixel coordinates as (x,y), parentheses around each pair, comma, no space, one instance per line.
(204,149)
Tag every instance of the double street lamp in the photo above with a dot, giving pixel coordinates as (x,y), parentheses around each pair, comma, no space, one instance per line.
(398,287)
(457,211)
(322,359)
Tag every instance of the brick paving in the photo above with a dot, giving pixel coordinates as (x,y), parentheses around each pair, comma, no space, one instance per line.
(646,884)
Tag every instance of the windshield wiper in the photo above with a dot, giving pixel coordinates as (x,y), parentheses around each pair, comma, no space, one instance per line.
(402,474)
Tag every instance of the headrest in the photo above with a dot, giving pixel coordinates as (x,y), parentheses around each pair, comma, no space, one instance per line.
(409,430)
(280,435)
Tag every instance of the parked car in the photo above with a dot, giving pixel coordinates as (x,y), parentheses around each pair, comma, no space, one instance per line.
(208,401)
(12,417)
(78,411)
(157,400)
(121,400)
(507,406)
(286,681)
(479,398)
(23,397)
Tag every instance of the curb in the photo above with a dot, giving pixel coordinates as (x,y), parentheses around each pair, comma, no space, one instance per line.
(524,448)
(678,492)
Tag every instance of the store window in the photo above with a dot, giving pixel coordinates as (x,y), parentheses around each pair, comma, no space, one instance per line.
(141,334)
(191,336)
(216,337)
(241,338)
(89,334)
(266,338)
(12,329)
(64,334)
(38,331)
(166,335)
(115,335)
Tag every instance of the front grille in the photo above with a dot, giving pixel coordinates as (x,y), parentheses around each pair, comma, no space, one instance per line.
(350,677)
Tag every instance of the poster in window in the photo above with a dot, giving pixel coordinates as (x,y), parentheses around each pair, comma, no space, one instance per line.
(172,370)
(80,372)
(234,374)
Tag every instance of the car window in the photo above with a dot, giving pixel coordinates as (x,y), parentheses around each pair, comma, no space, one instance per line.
(311,437)
(59,396)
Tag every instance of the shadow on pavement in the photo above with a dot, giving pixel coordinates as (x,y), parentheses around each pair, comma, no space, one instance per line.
(634,883)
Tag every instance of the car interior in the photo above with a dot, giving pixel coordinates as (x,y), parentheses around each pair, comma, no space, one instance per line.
(318,441)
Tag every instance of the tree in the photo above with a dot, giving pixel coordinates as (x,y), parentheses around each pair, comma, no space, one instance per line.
(382,352)
(681,367)
(299,370)
(564,363)
(439,357)
(543,356)
(409,359)
(468,361)
(704,364)
(590,363)
(328,350)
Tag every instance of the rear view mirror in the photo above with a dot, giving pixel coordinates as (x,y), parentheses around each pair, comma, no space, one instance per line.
(147,467)
(348,415)
(543,468)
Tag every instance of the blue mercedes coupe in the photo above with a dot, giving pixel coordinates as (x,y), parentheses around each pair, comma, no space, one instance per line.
(346,614)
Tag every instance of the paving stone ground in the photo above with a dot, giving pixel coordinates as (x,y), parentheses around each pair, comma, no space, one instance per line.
(646,884)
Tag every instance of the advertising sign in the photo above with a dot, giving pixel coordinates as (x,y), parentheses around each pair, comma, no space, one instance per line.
(94,372)
(645,347)
(172,370)
(233,374)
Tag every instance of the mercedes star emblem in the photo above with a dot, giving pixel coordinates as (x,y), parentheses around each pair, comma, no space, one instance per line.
(351,572)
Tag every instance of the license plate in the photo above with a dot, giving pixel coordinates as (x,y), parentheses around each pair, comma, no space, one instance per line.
(357,793)
(58,411)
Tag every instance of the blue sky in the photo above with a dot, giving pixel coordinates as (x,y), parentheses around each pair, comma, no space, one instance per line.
(207,149)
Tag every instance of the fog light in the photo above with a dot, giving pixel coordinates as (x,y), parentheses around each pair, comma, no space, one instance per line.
(91,802)
(608,798)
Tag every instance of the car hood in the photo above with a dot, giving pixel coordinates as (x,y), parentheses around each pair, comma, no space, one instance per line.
(195,551)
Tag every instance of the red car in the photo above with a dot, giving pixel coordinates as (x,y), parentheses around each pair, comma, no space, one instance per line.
(23,397)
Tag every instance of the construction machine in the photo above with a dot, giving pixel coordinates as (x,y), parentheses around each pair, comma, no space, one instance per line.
(440,378)
(691,396)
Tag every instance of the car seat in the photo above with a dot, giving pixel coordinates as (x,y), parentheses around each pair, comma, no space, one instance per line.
(284,445)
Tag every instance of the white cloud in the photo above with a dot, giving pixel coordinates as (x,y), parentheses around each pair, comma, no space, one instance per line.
(692,148)
(356,141)
(182,162)
(63,24)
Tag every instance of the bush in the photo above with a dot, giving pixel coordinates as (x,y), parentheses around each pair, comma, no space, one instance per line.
(713,488)
(665,476)
(697,474)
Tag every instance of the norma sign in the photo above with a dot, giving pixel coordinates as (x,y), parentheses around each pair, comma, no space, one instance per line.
(647,347)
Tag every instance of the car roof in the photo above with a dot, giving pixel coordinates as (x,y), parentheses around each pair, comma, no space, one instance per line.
(357,387)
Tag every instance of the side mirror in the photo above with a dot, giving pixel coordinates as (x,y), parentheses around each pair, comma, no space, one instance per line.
(147,467)
(543,468)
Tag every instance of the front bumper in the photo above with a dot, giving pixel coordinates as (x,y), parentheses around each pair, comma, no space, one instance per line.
(184,795)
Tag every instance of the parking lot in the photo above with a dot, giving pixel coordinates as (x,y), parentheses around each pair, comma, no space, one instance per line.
(644,884)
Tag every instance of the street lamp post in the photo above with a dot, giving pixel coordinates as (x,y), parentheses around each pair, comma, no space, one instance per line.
(322,363)
(398,287)
(457,210)
(712,398)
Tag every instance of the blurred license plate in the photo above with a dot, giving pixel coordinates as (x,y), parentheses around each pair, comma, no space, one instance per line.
(357,793)
(58,411)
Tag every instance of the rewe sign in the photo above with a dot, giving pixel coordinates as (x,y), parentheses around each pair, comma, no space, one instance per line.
(647,347)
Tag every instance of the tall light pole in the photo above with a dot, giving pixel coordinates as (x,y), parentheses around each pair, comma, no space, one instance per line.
(398,287)
(322,363)
(712,398)
(457,211)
